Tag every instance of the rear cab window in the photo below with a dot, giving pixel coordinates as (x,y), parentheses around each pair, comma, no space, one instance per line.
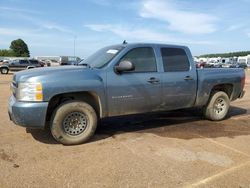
(174,59)
(34,62)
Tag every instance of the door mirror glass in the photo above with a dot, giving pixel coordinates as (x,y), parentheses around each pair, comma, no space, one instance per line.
(124,66)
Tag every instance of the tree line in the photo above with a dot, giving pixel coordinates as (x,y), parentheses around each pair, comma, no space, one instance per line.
(225,55)
(18,48)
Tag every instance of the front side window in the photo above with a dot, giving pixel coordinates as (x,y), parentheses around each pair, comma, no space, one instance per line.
(175,60)
(143,59)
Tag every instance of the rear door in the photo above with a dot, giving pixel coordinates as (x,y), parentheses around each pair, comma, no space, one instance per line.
(23,64)
(179,78)
(135,91)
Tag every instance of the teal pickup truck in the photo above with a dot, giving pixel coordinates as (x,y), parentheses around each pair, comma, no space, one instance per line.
(119,80)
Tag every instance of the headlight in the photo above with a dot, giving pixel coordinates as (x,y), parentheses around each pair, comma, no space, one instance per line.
(29,91)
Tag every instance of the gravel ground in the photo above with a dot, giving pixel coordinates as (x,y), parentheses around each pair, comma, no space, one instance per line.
(170,149)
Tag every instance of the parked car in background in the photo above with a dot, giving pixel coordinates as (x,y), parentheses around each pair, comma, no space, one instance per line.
(233,65)
(213,64)
(201,65)
(71,63)
(216,64)
(68,60)
(242,65)
(51,63)
(20,64)
(226,64)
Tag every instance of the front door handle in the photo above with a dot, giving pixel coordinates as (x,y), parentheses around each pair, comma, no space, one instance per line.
(188,78)
(153,80)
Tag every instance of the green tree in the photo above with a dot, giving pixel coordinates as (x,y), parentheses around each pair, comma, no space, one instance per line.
(230,54)
(7,53)
(19,48)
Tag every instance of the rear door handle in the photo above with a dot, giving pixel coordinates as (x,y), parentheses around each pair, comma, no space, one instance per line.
(188,78)
(153,80)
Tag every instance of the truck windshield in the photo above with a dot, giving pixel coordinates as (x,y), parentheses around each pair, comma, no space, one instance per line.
(102,57)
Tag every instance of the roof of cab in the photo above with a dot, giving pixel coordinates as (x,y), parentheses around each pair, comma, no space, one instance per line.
(154,44)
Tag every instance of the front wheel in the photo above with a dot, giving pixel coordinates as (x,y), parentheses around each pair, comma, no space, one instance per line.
(218,106)
(73,122)
(4,70)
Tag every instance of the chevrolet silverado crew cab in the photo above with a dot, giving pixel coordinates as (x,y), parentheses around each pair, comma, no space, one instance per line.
(119,80)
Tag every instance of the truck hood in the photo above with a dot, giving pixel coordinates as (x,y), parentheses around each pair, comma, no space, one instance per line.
(45,73)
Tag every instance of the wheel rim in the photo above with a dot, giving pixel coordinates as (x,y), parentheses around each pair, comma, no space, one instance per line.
(4,71)
(220,106)
(75,123)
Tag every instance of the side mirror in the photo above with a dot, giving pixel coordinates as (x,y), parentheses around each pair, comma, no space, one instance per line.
(124,66)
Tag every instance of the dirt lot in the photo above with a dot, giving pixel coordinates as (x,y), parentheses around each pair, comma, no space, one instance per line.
(176,149)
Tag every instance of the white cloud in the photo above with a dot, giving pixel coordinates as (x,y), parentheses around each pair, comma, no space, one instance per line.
(101,2)
(16,32)
(141,34)
(177,18)
(45,24)
(126,33)
(248,34)
(14,9)
(235,27)
(54,26)
(32,17)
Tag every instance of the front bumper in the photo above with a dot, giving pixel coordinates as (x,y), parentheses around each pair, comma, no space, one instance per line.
(27,114)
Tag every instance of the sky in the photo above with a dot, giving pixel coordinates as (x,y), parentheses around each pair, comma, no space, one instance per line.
(53,27)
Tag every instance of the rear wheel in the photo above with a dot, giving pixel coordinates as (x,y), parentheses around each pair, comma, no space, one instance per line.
(4,70)
(73,122)
(218,106)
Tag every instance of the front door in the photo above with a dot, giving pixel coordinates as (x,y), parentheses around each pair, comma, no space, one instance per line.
(135,91)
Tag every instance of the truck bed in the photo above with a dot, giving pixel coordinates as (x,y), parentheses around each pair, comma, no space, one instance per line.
(209,78)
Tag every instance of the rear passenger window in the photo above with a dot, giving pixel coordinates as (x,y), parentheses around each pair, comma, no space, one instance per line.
(23,62)
(174,59)
(142,58)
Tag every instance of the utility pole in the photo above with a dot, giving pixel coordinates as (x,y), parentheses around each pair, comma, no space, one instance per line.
(74,45)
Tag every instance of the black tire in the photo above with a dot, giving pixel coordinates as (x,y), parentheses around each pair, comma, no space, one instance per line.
(62,127)
(217,107)
(4,70)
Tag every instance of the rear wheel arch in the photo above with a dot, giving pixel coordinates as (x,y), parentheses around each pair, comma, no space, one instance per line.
(226,88)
